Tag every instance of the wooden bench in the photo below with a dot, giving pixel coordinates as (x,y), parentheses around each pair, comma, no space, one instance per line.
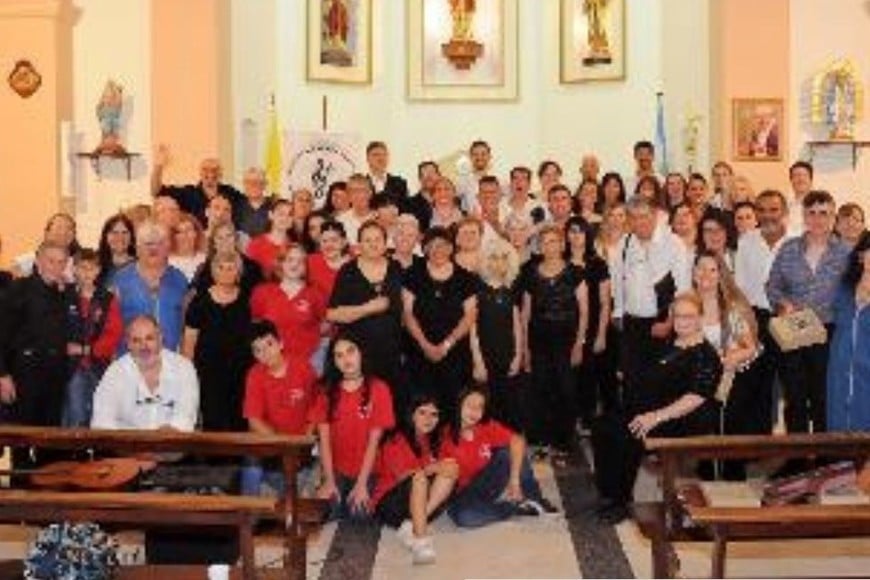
(664,523)
(299,515)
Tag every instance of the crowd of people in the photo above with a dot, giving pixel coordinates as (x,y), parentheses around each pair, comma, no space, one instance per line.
(437,342)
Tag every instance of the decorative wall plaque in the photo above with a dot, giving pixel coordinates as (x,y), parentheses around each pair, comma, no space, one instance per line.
(24,79)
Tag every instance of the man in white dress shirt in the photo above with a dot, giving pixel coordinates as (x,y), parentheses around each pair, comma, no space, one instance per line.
(650,269)
(755,253)
(150,387)
(800,174)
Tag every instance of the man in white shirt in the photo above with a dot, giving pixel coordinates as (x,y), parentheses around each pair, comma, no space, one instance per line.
(756,251)
(359,190)
(150,387)
(800,174)
(480,155)
(649,270)
(520,200)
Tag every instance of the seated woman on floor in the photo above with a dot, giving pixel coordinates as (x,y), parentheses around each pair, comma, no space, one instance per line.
(677,401)
(495,475)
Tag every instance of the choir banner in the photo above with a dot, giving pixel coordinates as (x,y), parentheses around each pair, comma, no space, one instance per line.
(314,161)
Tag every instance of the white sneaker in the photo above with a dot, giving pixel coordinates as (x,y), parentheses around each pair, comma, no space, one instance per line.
(405,534)
(423,550)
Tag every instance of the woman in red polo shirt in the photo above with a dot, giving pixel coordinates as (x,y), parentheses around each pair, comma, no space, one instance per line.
(412,485)
(495,476)
(292,305)
(266,248)
(351,413)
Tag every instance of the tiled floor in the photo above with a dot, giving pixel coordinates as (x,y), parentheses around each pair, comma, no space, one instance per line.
(558,547)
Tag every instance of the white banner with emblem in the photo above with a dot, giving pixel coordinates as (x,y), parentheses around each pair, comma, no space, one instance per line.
(315,160)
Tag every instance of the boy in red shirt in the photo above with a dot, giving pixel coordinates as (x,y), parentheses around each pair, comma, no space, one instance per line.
(279,391)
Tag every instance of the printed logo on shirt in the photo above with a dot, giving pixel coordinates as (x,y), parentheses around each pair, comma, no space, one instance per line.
(303,305)
(365,412)
(295,396)
(486,451)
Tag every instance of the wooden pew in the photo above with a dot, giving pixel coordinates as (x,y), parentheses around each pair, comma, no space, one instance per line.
(300,515)
(664,522)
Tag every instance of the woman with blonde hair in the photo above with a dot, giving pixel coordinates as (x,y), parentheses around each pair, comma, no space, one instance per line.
(187,244)
(496,336)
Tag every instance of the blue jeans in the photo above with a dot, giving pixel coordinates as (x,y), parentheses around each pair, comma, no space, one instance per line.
(253,475)
(479,504)
(79,397)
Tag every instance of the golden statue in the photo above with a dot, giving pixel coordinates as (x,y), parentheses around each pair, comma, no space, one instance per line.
(837,99)
(596,35)
(462,50)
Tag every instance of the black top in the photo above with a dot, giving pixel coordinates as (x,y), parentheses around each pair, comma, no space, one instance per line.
(438,304)
(192,199)
(380,335)
(253,221)
(495,327)
(555,315)
(420,208)
(222,358)
(595,273)
(34,317)
(5,279)
(395,189)
(679,371)
(252,275)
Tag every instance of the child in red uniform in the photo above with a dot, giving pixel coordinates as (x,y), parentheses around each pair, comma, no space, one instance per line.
(323,267)
(279,391)
(294,307)
(412,485)
(265,248)
(351,413)
(495,476)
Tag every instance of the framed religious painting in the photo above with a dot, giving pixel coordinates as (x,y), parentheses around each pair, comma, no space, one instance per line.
(592,40)
(462,50)
(757,129)
(339,41)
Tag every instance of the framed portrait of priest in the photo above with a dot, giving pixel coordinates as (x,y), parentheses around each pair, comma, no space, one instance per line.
(462,50)
(757,126)
(339,41)
(592,40)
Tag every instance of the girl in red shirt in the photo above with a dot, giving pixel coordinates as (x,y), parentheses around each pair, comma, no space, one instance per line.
(495,476)
(293,306)
(266,248)
(351,413)
(412,485)
(323,269)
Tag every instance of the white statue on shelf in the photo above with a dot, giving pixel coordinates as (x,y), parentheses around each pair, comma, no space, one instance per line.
(109,110)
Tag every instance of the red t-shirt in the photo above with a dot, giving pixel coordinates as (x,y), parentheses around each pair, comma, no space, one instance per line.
(395,462)
(320,275)
(473,454)
(282,402)
(298,319)
(265,252)
(350,426)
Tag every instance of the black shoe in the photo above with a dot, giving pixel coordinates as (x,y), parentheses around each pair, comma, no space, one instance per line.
(541,506)
(524,508)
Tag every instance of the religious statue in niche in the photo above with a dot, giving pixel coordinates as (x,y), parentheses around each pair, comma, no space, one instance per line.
(599,46)
(109,110)
(462,50)
(837,99)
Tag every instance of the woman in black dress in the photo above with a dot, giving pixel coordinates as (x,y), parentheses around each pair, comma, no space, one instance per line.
(440,308)
(216,324)
(224,239)
(366,302)
(677,401)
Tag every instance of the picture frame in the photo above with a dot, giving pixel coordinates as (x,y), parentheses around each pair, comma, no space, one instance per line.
(462,50)
(339,41)
(757,129)
(592,41)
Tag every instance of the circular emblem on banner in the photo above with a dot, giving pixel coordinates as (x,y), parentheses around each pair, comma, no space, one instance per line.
(318,164)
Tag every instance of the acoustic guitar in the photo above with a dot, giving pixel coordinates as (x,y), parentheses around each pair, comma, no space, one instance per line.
(102,474)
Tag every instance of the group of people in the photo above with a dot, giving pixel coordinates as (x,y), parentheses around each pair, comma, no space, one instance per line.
(436,342)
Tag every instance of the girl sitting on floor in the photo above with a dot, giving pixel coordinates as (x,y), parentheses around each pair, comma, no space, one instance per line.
(495,476)
(351,413)
(412,485)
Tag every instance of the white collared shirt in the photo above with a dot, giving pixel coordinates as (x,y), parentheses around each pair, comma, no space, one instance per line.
(123,400)
(639,266)
(352,223)
(752,266)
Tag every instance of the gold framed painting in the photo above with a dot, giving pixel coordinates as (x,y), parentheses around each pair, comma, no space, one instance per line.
(462,50)
(339,41)
(591,40)
(757,129)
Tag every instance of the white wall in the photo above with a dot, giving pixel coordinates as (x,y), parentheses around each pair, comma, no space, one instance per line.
(111,40)
(548,121)
(843,31)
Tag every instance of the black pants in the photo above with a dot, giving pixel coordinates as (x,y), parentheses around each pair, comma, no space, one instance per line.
(40,380)
(618,453)
(804,380)
(638,351)
(747,412)
(553,393)
(444,379)
(606,365)
(505,400)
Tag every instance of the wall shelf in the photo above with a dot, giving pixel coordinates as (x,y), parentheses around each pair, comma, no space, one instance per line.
(97,157)
(855,145)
